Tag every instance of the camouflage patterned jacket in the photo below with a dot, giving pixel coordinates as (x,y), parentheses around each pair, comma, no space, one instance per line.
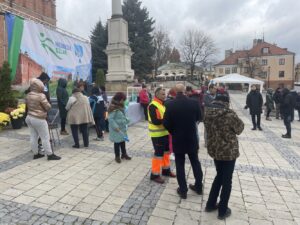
(222,125)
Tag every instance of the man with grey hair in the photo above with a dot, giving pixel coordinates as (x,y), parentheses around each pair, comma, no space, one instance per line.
(180,119)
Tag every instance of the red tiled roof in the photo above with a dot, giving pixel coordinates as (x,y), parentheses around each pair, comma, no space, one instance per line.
(256,51)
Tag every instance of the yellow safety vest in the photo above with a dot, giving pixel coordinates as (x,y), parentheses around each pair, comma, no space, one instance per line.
(157,130)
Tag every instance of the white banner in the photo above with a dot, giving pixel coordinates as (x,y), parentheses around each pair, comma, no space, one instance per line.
(59,55)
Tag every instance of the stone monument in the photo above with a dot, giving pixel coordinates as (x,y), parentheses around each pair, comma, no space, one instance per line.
(118,51)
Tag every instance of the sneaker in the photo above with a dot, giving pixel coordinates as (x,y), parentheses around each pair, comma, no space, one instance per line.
(118,160)
(211,209)
(38,156)
(125,156)
(254,128)
(53,157)
(181,194)
(75,146)
(99,139)
(227,214)
(286,136)
(64,132)
(197,190)
(158,179)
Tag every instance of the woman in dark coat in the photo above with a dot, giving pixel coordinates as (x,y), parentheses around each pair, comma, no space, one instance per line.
(62,100)
(269,103)
(254,103)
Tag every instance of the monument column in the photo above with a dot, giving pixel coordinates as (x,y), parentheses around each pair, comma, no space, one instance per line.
(118,50)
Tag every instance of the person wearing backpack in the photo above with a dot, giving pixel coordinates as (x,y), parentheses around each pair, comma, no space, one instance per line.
(98,109)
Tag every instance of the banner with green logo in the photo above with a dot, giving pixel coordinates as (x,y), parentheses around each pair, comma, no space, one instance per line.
(35,48)
(59,55)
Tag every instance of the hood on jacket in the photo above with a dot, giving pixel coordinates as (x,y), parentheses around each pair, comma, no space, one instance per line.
(270,91)
(62,83)
(285,91)
(36,85)
(216,110)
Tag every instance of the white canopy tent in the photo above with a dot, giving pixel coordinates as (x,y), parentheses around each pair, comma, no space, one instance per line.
(161,76)
(236,78)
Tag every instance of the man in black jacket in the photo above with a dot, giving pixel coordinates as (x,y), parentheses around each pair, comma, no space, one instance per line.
(286,108)
(277,99)
(180,119)
(254,103)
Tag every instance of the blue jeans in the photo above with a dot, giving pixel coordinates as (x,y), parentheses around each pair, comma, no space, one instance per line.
(287,122)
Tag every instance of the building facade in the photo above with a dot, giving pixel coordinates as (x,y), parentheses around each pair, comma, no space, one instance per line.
(297,73)
(264,61)
(44,10)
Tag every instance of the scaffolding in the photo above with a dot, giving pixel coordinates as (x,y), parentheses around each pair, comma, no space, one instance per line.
(7,9)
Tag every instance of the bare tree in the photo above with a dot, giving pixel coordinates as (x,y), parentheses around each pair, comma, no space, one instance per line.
(162,46)
(197,48)
(253,65)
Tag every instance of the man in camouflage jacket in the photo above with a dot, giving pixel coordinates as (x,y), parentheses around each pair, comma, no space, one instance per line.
(222,125)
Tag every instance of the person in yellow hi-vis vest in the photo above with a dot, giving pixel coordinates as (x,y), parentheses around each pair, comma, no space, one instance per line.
(159,136)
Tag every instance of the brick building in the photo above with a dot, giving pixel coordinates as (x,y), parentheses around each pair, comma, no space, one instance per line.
(27,69)
(44,10)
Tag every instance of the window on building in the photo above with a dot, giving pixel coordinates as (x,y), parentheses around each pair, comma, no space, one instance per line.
(265,50)
(281,61)
(264,74)
(281,73)
(234,70)
(221,70)
(227,71)
(264,62)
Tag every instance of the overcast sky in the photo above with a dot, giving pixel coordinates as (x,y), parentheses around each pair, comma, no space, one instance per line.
(231,23)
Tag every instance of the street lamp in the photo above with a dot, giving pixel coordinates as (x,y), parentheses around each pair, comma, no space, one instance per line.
(269,77)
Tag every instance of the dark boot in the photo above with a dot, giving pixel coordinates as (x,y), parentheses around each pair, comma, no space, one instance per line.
(288,136)
(126,157)
(211,209)
(38,156)
(118,159)
(168,173)
(227,214)
(195,189)
(53,157)
(157,179)
(182,195)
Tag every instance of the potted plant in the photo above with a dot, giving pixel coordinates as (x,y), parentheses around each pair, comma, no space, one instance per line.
(4,120)
(16,116)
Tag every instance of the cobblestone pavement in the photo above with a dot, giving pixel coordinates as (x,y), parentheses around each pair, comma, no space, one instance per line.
(88,187)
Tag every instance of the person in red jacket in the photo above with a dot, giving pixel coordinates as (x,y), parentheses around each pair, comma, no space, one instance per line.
(144,100)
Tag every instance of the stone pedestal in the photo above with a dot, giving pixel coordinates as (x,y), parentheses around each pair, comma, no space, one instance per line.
(117,86)
(118,50)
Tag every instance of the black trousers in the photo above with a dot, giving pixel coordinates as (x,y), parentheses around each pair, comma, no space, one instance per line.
(84,130)
(63,124)
(268,112)
(118,146)
(99,126)
(223,179)
(287,122)
(145,107)
(180,170)
(254,122)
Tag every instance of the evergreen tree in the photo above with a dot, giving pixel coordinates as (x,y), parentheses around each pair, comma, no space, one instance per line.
(99,40)
(175,56)
(140,28)
(100,78)
(7,98)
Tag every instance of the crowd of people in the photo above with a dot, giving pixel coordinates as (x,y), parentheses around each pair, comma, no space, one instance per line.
(173,120)
(283,101)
